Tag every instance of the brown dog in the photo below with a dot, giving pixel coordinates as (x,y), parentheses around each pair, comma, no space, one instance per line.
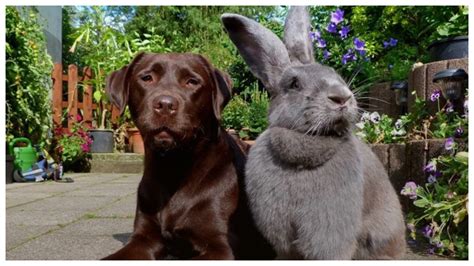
(191,202)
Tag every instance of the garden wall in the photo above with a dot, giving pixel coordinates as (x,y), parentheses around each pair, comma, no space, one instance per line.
(406,162)
(420,79)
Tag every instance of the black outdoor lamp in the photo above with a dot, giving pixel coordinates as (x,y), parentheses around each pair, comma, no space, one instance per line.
(452,82)
(401,94)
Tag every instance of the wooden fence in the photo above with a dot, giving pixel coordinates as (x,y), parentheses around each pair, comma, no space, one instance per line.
(66,90)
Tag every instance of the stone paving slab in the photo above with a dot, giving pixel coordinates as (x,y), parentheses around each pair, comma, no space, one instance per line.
(123,208)
(85,220)
(58,247)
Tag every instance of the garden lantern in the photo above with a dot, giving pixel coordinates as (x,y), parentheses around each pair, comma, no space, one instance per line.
(401,94)
(452,83)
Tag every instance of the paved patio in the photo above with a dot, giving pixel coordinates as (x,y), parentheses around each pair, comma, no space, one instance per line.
(84,220)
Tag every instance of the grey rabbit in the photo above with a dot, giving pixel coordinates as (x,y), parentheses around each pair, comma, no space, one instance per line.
(315,190)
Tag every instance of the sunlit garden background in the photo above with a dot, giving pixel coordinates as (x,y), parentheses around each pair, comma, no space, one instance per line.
(406,65)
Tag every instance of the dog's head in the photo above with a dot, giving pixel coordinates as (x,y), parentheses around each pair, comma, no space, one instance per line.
(173,98)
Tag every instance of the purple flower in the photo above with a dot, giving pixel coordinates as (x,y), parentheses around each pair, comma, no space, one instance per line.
(314,35)
(449,107)
(430,167)
(435,95)
(349,56)
(428,231)
(393,42)
(434,177)
(359,46)
(459,132)
(409,190)
(431,251)
(438,244)
(390,43)
(332,28)
(449,144)
(326,54)
(321,43)
(337,16)
(344,31)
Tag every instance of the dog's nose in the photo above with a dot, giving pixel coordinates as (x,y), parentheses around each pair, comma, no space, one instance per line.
(165,104)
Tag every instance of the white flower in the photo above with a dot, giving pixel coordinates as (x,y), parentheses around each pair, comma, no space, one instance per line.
(375,117)
(399,132)
(361,135)
(398,124)
(360,125)
(365,117)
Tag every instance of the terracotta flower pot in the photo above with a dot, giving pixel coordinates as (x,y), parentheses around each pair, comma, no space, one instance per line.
(135,141)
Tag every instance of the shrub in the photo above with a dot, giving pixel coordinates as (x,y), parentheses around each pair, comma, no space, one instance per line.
(247,113)
(28,77)
(73,146)
(441,204)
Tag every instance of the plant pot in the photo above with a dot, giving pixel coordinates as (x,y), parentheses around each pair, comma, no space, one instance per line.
(9,169)
(102,140)
(135,141)
(450,48)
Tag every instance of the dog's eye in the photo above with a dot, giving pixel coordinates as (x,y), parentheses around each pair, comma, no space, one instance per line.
(147,78)
(192,81)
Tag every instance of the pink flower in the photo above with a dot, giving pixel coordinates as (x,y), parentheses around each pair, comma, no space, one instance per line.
(78,118)
(85,147)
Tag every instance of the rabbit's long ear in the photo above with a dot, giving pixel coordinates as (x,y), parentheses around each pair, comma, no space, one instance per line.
(262,50)
(296,35)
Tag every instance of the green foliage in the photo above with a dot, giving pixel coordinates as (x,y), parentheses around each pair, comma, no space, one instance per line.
(375,129)
(72,147)
(441,204)
(247,113)
(105,49)
(457,25)
(414,27)
(28,77)
(418,124)
(106,46)
(196,29)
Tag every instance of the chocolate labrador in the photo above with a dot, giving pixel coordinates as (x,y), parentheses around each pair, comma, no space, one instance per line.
(191,202)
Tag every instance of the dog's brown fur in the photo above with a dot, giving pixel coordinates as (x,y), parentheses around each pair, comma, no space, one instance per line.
(191,202)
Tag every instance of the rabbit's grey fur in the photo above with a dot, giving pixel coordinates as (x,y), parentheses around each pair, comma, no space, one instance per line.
(315,190)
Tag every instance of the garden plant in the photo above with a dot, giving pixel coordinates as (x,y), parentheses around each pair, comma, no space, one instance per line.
(365,44)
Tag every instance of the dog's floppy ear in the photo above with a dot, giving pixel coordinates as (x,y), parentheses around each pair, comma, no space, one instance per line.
(223,92)
(117,87)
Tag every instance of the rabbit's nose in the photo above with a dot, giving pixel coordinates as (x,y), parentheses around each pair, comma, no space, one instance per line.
(339,99)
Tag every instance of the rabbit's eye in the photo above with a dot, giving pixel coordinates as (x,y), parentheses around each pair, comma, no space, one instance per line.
(294,84)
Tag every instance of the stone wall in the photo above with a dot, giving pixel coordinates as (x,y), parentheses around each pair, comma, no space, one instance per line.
(406,162)
(420,80)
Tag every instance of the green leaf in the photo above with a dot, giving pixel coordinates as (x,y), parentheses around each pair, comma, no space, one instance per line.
(421,203)
(97,96)
(459,216)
